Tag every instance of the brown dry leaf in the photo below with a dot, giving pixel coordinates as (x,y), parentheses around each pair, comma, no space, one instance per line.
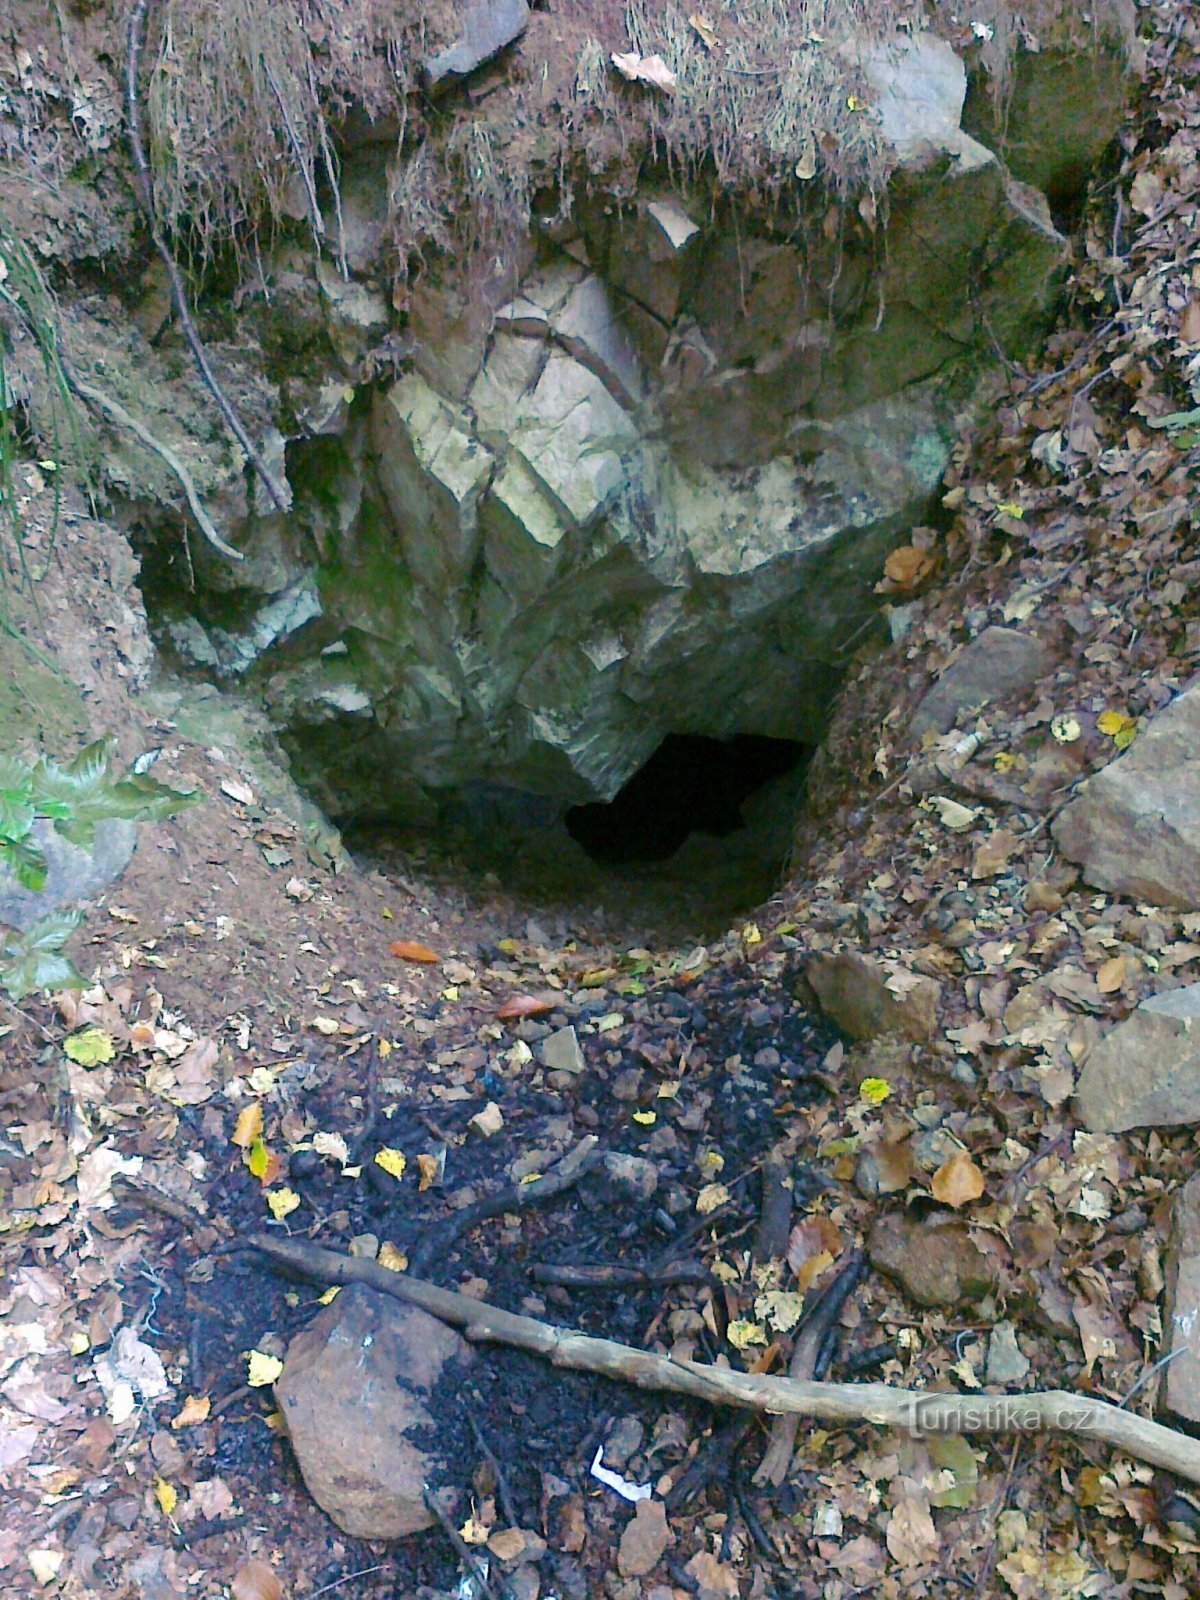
(248,1126)
(957,1181)
(255,1580)
(992,854)
(911,1536)
(905,568)
(717,1579)
(814,1236)
(704,28)
(195,1409)
(1111,975)
(429,1168)
(194,1073)
(1189,322)
(644,1540)
(523,1005)
(412,950)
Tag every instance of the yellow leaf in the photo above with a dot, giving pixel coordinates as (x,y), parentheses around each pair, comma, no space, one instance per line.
(249,1124)
(742,1334)
(282,1202)
(91,1048)
(1005,761)
(194,1409)
(645,1118)
(874,1090)
(474,1532)
(326,1025)
(385,1049)
(392,1161)
(1125,737)
(852,102)
(957,1181)
(330,1294)
(751,934)
(79,1343)
(263,1163)
(1010,508)
(391,1257)
(261,1369)
(412,950)
(167,1496)
(710,1197)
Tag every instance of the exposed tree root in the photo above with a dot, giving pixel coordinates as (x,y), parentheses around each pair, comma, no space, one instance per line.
(914,1410)
(144,188)
(117,412)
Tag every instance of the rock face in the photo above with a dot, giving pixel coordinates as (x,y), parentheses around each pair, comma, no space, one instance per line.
(1145,1073)
(642,485)
(1135,826)
(353,1394)
(1180,1392)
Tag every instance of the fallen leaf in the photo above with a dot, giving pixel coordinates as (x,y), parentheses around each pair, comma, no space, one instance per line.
(195,1409)
(523,1005)
(489,1121)
(261,1369)
(249,1125)
(506,1544)
(263,1163)
(644,1540)
(708,34)
(91,1048)
(282,1202)
(45,1564)
(645,69)
(874,1090)
(235,790)
(429,1168)
(742,1333)
(810,1240)
(953,815)
(412,950)
(255,1580)
(392,1257)
(1111,975)
(957,1181)
(167,1496)
(392,1161)
(710,1197)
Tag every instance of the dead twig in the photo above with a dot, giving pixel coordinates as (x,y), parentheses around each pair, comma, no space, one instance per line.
(144,189)
(461,1548)
(808,1354)
(605,1277)
(913,1410)
(437,1241)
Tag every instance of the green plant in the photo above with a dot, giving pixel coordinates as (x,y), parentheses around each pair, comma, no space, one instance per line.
(73,798)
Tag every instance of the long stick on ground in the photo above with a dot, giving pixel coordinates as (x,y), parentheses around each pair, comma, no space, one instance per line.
(914,1410)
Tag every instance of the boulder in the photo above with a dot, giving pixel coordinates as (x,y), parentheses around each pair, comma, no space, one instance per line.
(865,999)
(934,1259)
(998,663)
(354,1394)
(1145,1072)
(1134,827)
(1180,1392)
(73,873)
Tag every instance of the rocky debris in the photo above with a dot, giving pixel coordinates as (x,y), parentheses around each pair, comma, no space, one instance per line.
(1134,827)
(998,663)
(1180,1393)
(631,1177)
(866,998)
(488,27)
(645,1539)
(1145,1072)
(1006,1365)
(562,1052)
(73,874)
(935,1261)
(920,86)
(354,1395)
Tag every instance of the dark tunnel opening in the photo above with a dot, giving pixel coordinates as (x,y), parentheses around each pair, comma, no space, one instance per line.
(691,784)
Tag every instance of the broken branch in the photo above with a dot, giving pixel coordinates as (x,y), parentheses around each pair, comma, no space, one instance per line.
(913,1410)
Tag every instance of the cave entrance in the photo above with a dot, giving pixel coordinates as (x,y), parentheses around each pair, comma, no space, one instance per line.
(690,785)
